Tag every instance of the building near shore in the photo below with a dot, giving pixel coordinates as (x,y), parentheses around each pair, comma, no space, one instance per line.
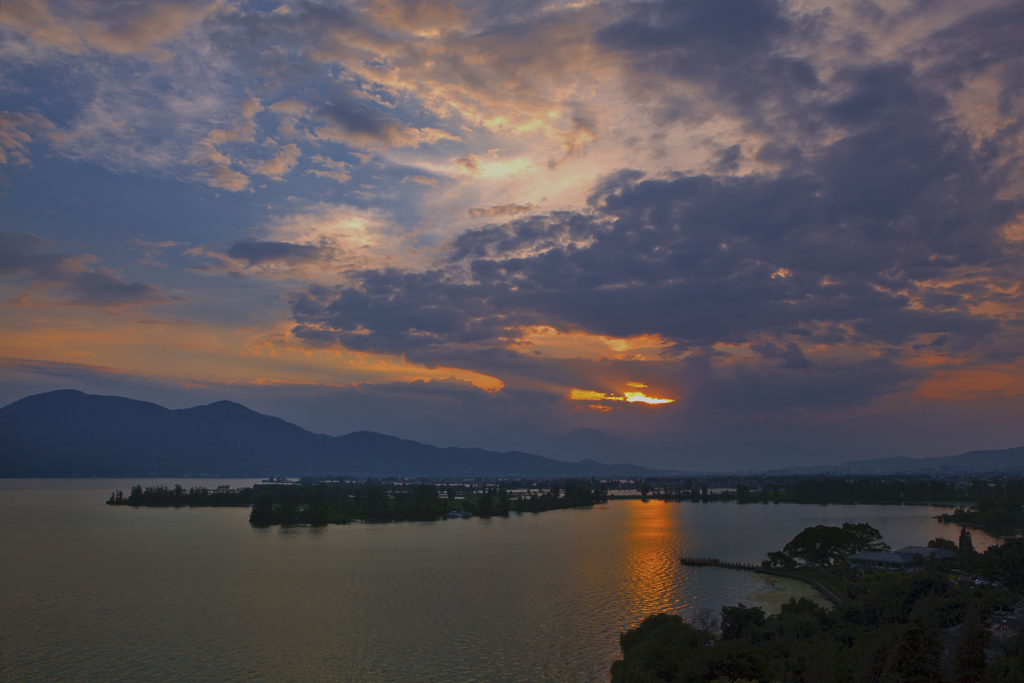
(909,558)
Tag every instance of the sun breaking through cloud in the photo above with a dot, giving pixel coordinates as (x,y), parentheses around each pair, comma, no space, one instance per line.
(810,215)
(628,396)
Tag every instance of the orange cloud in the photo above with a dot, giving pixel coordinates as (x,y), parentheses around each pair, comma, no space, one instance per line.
(638,397)
(499,210)
(587,395)
(629,396)
(16,131)
(959,385)
(149,25)
(199,351)
(279,165)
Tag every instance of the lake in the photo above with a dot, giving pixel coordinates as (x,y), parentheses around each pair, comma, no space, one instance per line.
(98,593)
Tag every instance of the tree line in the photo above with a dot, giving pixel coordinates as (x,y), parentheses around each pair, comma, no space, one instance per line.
(1001,514)
(178,496)
(836,489)
(891,627)
(341,502)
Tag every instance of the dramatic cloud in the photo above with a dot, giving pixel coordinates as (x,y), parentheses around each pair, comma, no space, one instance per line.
(885,234)
(795,219)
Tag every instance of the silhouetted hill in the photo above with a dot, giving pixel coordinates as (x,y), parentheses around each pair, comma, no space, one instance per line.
(69,433)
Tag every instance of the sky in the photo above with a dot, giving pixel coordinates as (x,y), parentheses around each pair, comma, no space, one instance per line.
(724,233)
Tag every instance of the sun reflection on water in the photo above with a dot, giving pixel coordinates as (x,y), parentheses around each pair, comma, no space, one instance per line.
(651,570)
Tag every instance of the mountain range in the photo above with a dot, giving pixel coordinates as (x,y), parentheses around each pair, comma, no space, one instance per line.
(1011,459)
(70,433)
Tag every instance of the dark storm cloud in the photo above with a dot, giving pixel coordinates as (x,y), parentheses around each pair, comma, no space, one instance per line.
(732,47)
(397,312)
(791,357)
(989,38)
(699,260)
(70,274)
(777,389)
(265,251)
(885,233)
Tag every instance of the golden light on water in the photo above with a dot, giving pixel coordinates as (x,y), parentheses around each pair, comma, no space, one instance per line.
(651,559)
(629,396)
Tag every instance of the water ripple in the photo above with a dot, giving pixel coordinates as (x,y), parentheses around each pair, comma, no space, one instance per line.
(97,593)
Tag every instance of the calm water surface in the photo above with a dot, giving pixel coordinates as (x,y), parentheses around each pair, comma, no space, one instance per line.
(90,592)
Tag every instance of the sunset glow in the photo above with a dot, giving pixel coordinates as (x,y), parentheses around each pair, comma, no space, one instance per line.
(629,396)
(637,397)
(497,222)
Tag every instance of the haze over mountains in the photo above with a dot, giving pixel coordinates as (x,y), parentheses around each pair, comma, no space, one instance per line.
(972,461)
(741,453)
(70,433)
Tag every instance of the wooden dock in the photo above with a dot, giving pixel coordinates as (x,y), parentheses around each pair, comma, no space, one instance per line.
(827,592)
(715,562)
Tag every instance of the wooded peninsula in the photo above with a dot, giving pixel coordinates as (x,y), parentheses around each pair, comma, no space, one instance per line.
(994,502)
(338,502)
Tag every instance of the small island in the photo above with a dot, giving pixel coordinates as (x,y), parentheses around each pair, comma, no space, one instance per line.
(318,503)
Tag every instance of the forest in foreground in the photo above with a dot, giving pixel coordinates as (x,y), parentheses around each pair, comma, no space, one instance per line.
(933,625)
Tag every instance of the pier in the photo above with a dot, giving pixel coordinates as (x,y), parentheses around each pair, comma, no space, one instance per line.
(715,562)
(828,593)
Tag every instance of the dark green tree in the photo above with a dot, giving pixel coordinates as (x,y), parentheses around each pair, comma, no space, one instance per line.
(262,513)
(659,649)
(135,495)
(969,658)
(966,542)
(742,622)
(706,622)
(824,546)
(1006,563)
(779,559)
(916,657)
(485,504)
(503,506)
(317,513)
(943,543)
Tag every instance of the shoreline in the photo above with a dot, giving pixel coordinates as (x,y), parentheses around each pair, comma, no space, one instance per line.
(778,590)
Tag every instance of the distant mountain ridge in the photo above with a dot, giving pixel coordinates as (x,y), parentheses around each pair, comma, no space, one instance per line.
(70,433)
(972,461)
